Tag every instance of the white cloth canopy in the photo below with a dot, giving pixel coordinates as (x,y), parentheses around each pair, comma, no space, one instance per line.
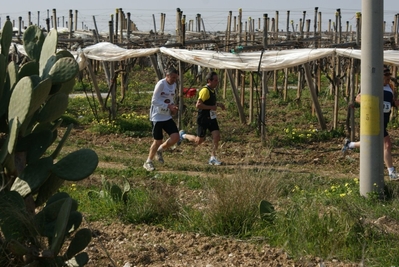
(269,60)
(105,51)
(247,61)
(391,57)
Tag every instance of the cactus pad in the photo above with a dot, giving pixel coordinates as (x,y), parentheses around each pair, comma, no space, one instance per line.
(48,49)
(20,100)
(6,38)
(28,69)
(64,70)
(33,39)
(60,226)
(76,165)
(54,108)
(33,176)
(80,241)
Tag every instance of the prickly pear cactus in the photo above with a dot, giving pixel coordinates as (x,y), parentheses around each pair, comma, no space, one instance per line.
(112,191)
(33,96)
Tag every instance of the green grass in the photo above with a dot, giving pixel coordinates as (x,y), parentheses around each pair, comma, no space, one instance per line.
(94,207)
(317,216)
(314,215)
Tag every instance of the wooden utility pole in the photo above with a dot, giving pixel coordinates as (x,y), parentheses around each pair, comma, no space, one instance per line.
(226,45)
(181,98)
(54,18)
(285,88)
(264,87)
(116,25)
(121,19)
(70,25)
(75,25)
(313,94)
(251,97)
(288,25)
(236,96)
(178,26)
(112,82)
(352,95)
(128,26)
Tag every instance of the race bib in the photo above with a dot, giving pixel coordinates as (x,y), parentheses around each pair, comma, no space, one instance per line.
(387,107)
(212,113)
(164,111)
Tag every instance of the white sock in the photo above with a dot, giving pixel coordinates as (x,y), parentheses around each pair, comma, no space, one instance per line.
(390,170)
(149,160)
(351,145)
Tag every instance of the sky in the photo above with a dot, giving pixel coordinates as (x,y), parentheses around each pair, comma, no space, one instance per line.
(213,12)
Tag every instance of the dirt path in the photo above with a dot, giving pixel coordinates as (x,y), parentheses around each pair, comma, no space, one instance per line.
(143,245)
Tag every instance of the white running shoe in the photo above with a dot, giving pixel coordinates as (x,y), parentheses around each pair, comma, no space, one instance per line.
(214,161)
(345,147)
(393,176)
(181,132)
(149,166)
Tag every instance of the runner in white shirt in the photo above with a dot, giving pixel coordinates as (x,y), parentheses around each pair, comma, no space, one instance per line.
(162,109)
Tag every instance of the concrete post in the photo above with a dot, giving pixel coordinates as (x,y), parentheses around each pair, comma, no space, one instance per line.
(371,117)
